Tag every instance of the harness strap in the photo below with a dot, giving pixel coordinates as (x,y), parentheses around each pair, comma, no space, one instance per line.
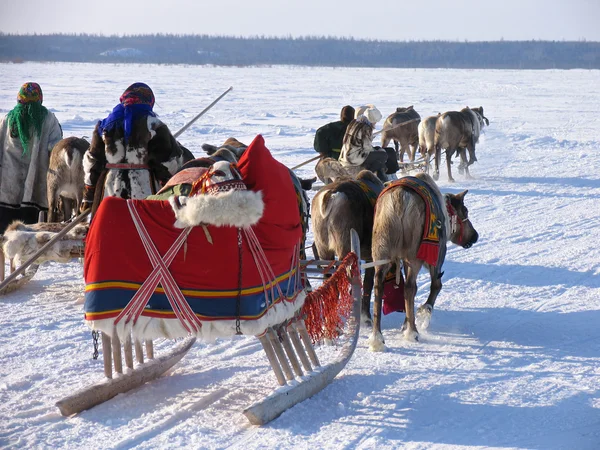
(161,274)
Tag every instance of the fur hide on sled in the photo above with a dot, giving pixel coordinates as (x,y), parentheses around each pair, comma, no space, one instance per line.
(20,242)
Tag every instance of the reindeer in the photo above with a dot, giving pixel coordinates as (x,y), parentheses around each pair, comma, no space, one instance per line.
(329,170)
(426,131)
(339,207)
(65,178)
(456,131)
(398,230)
(405,137)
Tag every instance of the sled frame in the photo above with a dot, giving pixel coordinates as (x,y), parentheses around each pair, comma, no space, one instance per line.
(288,348)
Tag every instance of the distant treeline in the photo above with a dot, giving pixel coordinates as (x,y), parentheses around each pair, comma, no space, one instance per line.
(306,51)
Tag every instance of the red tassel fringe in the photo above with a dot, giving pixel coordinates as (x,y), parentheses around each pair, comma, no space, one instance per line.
(429,253)
(327,308)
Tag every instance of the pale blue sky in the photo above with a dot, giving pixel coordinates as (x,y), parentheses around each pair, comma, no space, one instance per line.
(381,19)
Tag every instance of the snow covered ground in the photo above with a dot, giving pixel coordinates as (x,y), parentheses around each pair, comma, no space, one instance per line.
(511,359)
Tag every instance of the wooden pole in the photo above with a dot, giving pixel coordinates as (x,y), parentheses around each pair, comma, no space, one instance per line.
(395,126)
(189,124)
(306,162)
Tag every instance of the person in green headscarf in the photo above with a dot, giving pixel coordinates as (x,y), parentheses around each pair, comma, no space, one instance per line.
(27,135)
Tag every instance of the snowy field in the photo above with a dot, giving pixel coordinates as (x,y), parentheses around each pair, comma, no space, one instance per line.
(511,359)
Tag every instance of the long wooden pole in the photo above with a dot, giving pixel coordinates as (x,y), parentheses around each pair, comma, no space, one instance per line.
(395,126)
(189,124)
(306,162)
(42,250)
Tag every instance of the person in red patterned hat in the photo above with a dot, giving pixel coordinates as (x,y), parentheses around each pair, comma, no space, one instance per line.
(132,153)
(27,135)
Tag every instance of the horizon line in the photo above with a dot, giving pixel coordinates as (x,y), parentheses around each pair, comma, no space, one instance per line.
(305,37)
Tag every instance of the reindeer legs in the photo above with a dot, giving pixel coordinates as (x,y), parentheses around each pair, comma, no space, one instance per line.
(368,282)
(426,309)
(409,328)
(376,341)
(449,153)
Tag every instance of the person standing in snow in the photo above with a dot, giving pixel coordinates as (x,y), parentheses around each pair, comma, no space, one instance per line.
(328,138)
(27,135)
(132,152)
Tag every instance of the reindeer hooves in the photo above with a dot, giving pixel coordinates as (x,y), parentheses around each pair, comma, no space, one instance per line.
(376,343)
(424,316)
(411,335)
(366,321)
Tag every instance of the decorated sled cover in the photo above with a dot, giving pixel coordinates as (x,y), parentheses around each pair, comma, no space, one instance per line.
(215,264)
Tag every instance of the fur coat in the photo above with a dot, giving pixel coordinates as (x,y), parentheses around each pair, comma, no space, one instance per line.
(358,143)
(152,153)
(23,176)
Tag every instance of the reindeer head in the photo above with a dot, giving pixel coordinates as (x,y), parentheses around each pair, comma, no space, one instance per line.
(462,231)
(479,113)
(234,146)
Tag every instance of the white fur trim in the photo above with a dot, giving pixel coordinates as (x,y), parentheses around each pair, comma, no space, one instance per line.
(153,328)
(232,208)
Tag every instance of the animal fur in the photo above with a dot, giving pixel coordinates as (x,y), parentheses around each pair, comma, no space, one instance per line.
(357,143)
(405,137)
(329,170)
(232,208)
(337,208)
(458,131)
(65,178)
(151,143)
(426,131)
(20,242)
(397,232)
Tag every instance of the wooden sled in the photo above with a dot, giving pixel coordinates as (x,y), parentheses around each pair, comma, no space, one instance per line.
(29,268)
(288,348)
(420,165)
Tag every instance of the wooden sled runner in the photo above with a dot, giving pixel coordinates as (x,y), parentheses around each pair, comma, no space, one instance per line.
(288,348)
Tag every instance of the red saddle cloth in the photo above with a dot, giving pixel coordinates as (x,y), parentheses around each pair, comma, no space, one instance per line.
(393,294)
(116,263)
(433,231)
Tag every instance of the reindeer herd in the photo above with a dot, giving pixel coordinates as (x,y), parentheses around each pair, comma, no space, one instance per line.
(454,131)
(389,222)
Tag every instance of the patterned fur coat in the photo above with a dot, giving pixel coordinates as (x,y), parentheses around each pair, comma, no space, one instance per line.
(358,143)
(150,158)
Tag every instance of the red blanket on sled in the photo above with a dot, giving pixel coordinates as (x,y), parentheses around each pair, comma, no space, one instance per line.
(116,263)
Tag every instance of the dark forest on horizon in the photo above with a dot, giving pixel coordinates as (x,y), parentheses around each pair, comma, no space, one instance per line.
(305,51)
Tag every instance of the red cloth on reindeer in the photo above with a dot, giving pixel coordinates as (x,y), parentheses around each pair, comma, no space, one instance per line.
(116,263)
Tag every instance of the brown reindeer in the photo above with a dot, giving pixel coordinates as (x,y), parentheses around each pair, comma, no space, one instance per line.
(339,207)
(398,229)
(427,139)
(405,137)
(65,178)
(456,131)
